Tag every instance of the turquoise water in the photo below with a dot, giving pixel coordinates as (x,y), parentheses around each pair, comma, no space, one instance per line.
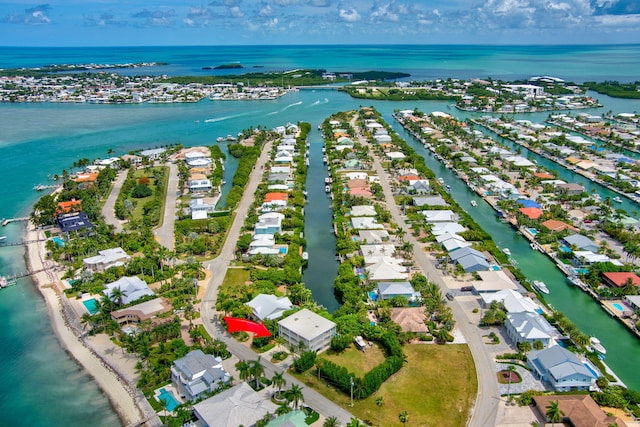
(167,397)
(41,385)
(533,231)
(58,241)
(91,305)
(618,306)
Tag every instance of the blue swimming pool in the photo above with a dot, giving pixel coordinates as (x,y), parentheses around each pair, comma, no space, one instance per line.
(58,241)
(533,231)
(91,305)
(283,250)
(373,296)
(618,306)
(588,366)
(170,402)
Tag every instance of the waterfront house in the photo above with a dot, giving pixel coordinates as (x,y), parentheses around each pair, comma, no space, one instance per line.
(200,208)
(132,159)
(579,410)
(362,210)
(581,243)
(373,236)
(492,281)
(439,216)
(78,221)
(197,373)
(69,206)
(620,279)
(141,312)
(633,301)
(470,259)
(556,226)
(308,329)
(265,306)
(132,288)
(269,223)
(199,182)
(153,154)
(419,186)
(562,369)
(587,258)
(365,223)
(386,271)
(273,206)
(447,227)
(512,301)
(107,258)
(527,326)
(238,406)
(570,189)
(429,201)
(389,290)
(451,241)
(375,251)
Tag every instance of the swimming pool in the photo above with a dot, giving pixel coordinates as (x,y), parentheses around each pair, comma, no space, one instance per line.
(58,241)
(618,306)
(91,305)
(533,231)
(170,402)
(588,366)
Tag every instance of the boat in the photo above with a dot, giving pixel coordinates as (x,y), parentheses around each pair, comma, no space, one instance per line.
(305,256)
(325,159)
(327,180)
(540,286)
(617,199)
(3,238)
(573,280)
(474,203)
(507,251)
(219,139)
(231,138)
(327,189)
(533,246)
(597,346)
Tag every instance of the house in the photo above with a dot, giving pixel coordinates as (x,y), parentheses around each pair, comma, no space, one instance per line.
(437,216)
(410,319)
(273,206)
(420,186)
(132,287)
(383,270)
(582,243)
(132,159)
(153,154)
(556,226)
(365,223)
(633,301)
(529,327)
(72,205)
(238,406)
(200,208)
(389,290)
(270,307)
(141,312)
(587,258)
(470,259)
(429,201)
(373,236)
(570,189)
(512,301)
(375,251)
(579,410)
(198,182)
(447,227)
(106,258)
(620,279)
(307,329)
(493,281)
(269,223)
(197,373)
(363,210)
(561,368)
(74,222)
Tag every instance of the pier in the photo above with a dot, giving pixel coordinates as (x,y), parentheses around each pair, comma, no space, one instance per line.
(41,187)
(8,221)
(20,243)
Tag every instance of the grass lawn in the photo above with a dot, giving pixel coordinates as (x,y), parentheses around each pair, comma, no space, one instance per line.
(137,212)
(235,276)
(437,387)
(357,361)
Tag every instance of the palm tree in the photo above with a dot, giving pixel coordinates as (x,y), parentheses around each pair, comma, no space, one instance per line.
(295,395)
(379,404)
(86,320)
(244,370)
(354,422)
(117,295)
(554,413)
(278,382)
(404,417)
(511,369)
(257,370)
(331,422)
(283,408)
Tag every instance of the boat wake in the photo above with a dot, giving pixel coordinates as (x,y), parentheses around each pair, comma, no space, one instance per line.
(220,119)
(318,102)
(285,108)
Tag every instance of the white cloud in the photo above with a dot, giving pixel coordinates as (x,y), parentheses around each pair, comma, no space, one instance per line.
(236,12)
(384,13)
(349,15)
(266,11)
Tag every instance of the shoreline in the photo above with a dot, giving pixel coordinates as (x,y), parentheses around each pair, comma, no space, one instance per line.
(128,402)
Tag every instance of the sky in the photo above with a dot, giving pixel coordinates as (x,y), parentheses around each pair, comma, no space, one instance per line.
(271,22)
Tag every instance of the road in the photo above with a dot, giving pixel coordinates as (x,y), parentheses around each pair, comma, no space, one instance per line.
(218,266)
(486,405)
(164,233)
(108,210)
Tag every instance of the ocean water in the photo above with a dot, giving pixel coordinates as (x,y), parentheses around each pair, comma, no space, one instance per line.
(39,383)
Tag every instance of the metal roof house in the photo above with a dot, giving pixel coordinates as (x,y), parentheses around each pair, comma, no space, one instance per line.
(238,406)
(197,373)
(561,368)
(267,306)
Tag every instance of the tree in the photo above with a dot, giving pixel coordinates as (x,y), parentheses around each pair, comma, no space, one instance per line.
(282,409)
(354,422)
(244,370)
(404,417)
(294,395)
(511,369)
(379,404)
(554,413)
(524,347)
(278,382)
(257,370)
(331,422)
(117,295)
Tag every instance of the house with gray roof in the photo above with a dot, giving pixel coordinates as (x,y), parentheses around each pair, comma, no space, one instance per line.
(429,201)
(529,327)
(561,368)
(197,373)
(389,290)
(582,243)
(470,259)
(132,287)
(238,406)
(265,306)
(106,258)
(308,329)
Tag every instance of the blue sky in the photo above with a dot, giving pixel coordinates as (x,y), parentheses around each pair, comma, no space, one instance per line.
(246,22)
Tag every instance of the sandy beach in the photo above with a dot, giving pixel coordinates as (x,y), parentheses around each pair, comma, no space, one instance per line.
(129,403)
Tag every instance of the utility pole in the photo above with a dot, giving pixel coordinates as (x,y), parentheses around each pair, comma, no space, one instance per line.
(351,383)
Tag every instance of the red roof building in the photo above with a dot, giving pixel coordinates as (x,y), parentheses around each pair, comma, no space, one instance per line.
(619,279)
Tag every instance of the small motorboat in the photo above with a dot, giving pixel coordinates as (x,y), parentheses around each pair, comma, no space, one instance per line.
(540,286)
(474,203)
(597,346)
(507,251)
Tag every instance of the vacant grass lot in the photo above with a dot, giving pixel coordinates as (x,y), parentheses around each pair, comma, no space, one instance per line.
(140,173)
(437,387)
(235,276)
(357,361)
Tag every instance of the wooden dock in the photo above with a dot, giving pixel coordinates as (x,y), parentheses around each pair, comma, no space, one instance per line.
(20,243)
(41,187)
(8,221)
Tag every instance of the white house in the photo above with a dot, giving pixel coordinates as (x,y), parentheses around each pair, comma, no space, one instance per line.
(197,373)
(238,406)
(529,327)
(133,288)
(308,329)
(106,258)
(270,307)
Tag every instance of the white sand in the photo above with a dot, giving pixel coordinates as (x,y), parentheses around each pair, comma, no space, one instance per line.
(120,395)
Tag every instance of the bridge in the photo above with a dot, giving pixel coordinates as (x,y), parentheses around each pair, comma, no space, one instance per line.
(320,87)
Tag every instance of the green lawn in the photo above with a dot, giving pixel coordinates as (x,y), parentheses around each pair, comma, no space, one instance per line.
(137,212)
(357,361)
(437,387)
(235,276)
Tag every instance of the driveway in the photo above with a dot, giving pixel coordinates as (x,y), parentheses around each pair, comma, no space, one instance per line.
(164,233)
(108,210)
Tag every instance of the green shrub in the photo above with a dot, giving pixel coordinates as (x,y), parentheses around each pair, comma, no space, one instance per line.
(305,361)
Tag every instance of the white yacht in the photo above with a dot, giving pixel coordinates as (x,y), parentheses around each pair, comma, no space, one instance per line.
(474,203)
(539,285)
(597,346)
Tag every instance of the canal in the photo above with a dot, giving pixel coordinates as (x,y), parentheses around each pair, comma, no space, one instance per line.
(623,347)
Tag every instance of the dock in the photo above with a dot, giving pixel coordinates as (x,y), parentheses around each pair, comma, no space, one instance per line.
(8,221)
(20,243)
(41,187)
(12,279)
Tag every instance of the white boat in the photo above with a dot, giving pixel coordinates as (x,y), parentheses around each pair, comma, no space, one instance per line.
(617,199)
(305,255)
(3,238)
(533,246)
(219,139)
(327,189)
(573,280)
(507,251)
(325,159)
(474,203)
(539,285)
(327,180)
(597,346)
(231,138)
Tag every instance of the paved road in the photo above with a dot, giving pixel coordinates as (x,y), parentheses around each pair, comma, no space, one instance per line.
(108,210)
(218,267)
(164,233)
(486,406)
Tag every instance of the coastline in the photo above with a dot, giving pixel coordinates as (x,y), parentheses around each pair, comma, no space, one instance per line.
(129,403)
